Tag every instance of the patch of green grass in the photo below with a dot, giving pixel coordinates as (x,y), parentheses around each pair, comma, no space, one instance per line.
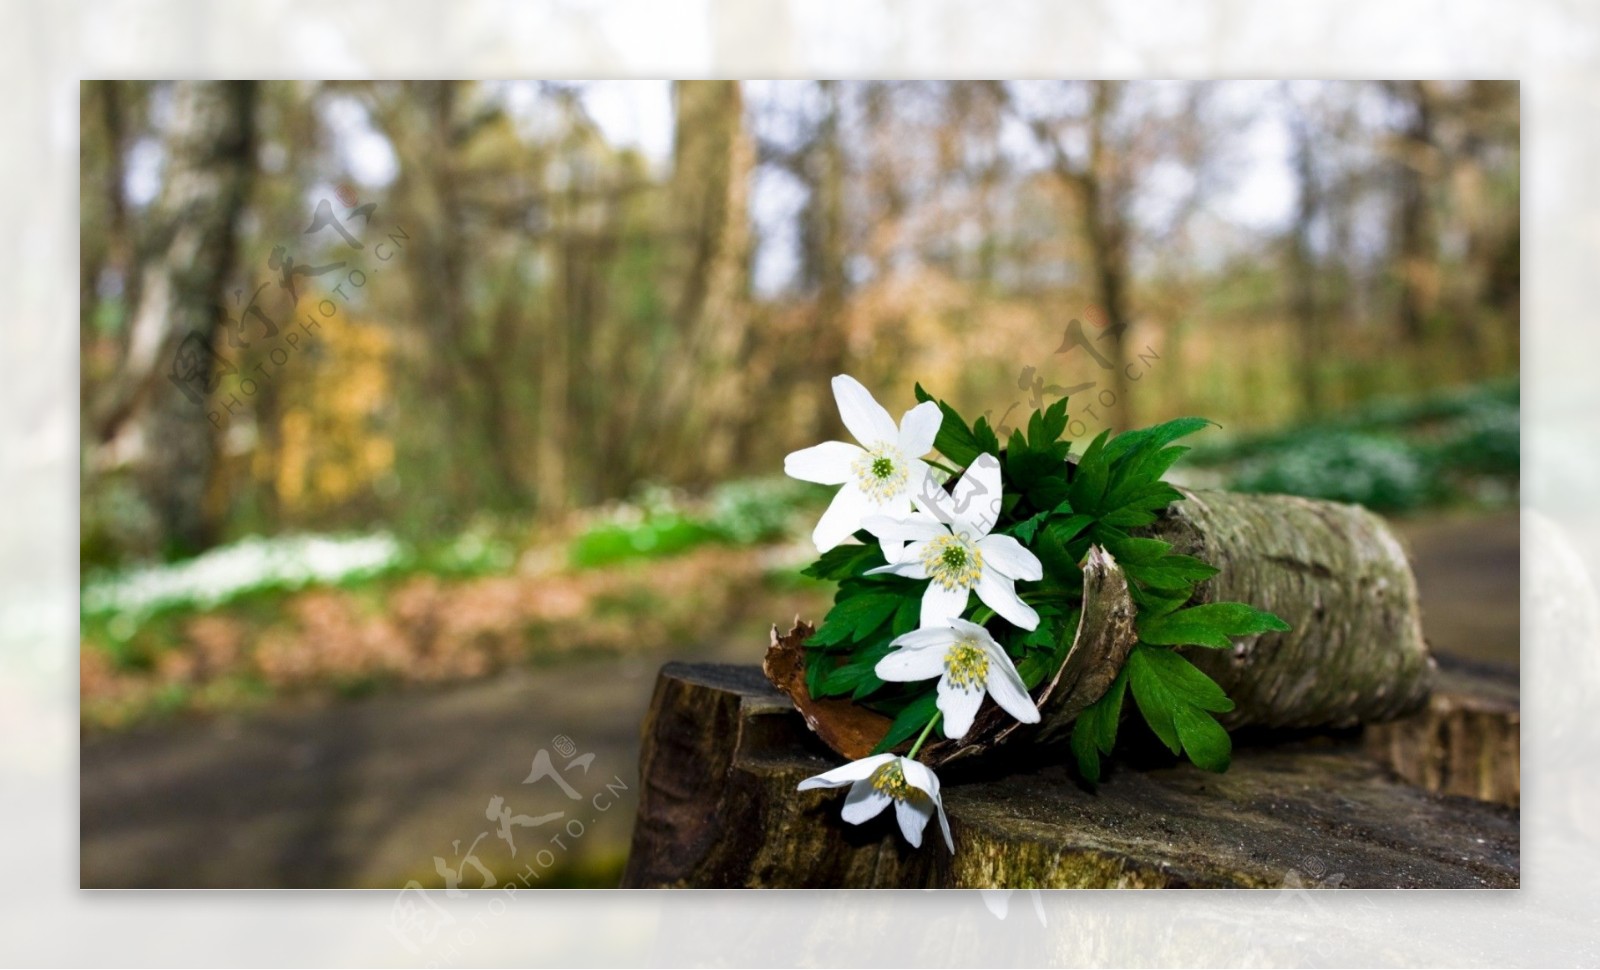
(660,524)
(1462,447)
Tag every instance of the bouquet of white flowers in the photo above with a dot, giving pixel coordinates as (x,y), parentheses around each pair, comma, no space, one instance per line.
(976,575)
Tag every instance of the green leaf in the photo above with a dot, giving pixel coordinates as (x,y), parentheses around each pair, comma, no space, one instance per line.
(843,680)
(984,438)
(1046,427)
(1170,572)
(1204,740)
(1212,625)
(1155,436)
(1129,550)
(1089,481)
(955,439)
(1179,679)
(1155,602)
(907,617)
(855,617)
(845,562)
(1094,733)
(1173,696)
(909,722)
(1154,700)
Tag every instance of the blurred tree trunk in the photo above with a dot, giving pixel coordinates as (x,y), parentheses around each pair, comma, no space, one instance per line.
(704,393)
(192,228)
(464,376)
(1099,186)
(1105,226)
(1416,250)
(829,349)
(1303,267)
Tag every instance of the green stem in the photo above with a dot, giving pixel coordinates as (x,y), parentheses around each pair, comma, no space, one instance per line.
(942,467)
(924,735)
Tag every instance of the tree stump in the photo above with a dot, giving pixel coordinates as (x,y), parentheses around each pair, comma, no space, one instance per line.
(1467,741)
(723,751)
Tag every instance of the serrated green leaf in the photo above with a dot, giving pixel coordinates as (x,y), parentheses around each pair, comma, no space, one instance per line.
(1129,550)
(1179,678)
(1155,436)
(1089,480)
(1094,733)
(984,437)
(843,680)
(1212,625)
(1154,700)
(844,562)
(1204,740)
(855,616)
(955,439)
(1170,572)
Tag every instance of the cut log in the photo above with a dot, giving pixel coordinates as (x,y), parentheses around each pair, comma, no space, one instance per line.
(723,751)
(1467,741)
(1338,575)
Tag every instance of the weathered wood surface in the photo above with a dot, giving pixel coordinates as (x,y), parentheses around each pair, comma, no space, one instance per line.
(723,751)
(1467,741)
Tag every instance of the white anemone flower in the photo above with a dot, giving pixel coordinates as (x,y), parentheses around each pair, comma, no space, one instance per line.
(880,475)
(969,663)
(882,779)
(953,549)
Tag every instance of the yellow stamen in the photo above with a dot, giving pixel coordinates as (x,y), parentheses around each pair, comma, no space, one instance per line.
(966,666)
(891,780)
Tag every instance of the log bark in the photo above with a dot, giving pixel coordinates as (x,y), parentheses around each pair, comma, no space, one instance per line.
(723,751)
(1338,575)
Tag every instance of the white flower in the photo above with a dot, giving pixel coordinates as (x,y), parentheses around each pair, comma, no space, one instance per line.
(879,476)
(953,549)
(877,781)
(968,663)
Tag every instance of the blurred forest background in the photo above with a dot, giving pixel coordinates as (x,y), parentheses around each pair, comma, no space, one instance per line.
(388,383)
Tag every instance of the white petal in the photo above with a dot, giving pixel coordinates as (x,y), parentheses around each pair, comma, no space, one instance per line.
(865,417)
(845,774)
(842,519)
(909,566)
(921,776)
(892,548)
(976,499)
(966,628)
(999,593)
(1010,557)
(908,528)
(826,464)
(944,825)
(911,664)
(864,802)
(959,707)
(940,605)
(913,815)
(918,429)
(931,636)
(1006,686)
